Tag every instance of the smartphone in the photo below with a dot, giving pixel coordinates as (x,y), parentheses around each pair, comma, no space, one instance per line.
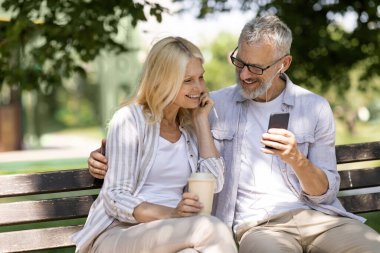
(278,120)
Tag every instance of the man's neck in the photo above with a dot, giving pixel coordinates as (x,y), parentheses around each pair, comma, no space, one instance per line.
(277,88)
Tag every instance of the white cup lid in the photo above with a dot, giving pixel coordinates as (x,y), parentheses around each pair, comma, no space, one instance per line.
(202,176)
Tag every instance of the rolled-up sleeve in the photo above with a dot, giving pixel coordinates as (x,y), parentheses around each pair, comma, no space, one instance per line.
(123,163)
(216,167)
(322,155)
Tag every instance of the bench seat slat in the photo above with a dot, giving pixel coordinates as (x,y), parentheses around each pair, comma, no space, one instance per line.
(358,152)
(37,239)
(359,178)
(38,183)
(45,210)
(361,203)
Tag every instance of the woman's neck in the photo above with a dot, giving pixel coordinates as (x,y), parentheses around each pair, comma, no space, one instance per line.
(169,126)
(170,115)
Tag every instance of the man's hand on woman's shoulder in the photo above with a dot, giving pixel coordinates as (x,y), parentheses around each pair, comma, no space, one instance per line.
(97,162)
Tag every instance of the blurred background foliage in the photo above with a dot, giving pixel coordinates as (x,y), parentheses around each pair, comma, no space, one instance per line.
(218,72)
(70,64)
(55,54)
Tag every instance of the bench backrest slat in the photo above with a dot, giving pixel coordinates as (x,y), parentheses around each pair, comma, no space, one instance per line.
(359,178)
(45,210)
(358,152)
(361,203)
(48,182)
(362,178)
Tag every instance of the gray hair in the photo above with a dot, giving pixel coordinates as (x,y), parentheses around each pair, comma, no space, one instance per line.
(268,29)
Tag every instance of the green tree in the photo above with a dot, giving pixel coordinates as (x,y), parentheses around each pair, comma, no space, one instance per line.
(45,41)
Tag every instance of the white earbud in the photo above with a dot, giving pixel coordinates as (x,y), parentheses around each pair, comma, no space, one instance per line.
(282,66)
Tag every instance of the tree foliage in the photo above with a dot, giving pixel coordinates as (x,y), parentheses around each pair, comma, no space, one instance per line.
(218,71)
(45,41)
(323,51)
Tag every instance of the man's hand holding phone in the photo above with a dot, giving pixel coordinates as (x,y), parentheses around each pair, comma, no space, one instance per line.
(278,140)
(275,137)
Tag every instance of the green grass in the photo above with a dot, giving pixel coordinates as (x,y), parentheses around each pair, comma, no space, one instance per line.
(58,164)
(47,224)
(373,220)
(364,132)
(42,166)
(92,132)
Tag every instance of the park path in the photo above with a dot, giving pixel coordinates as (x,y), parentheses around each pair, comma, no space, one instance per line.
(54,147)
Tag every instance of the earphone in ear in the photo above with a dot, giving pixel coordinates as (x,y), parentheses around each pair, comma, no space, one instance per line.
(282,66)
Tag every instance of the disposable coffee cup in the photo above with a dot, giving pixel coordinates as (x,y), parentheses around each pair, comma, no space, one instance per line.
(203,184)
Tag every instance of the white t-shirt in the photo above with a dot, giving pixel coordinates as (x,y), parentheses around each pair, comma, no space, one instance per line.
(168,176)
(262,190)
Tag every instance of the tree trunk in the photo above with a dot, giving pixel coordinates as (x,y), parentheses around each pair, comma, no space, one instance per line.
(10,123)
(351,122)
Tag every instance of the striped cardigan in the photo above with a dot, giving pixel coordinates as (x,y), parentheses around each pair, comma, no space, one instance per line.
(132,145)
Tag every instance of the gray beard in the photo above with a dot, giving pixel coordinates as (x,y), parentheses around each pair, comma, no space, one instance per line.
(261,90)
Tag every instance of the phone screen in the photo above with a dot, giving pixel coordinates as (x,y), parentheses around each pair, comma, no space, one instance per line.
(278,120)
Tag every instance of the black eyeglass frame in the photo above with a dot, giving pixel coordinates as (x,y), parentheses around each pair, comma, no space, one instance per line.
(249,66)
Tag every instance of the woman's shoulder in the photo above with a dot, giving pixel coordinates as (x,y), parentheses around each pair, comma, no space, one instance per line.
(129,112)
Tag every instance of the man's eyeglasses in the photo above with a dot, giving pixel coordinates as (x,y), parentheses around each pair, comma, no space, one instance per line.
(254,69)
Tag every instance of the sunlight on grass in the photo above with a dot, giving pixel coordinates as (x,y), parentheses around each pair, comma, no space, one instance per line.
(365,132)
(40,166)
(92,132)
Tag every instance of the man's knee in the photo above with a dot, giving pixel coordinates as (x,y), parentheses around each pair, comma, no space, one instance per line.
(266,241)
(353,237)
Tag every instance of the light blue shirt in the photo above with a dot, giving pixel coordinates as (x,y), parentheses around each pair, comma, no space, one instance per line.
(312,123)
(262,191)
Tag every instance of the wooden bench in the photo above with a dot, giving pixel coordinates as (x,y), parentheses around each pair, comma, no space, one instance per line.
(66,196)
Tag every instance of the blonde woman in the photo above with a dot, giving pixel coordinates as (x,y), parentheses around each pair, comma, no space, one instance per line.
(153,145)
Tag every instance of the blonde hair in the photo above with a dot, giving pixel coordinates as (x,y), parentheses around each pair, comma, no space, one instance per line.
(162,77)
